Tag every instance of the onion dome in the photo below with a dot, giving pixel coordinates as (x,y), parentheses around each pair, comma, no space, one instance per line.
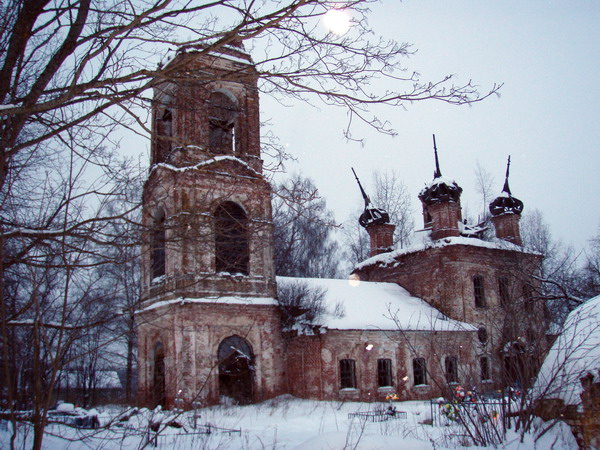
(505,203)
(371,215)
(441,189)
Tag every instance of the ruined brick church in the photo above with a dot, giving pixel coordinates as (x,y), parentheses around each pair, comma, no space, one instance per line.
(410,322)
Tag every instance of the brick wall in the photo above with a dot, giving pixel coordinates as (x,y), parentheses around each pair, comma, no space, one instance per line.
(443,276)
(313,363)
(191,334)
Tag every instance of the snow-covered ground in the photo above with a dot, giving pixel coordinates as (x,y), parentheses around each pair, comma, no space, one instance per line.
(282,423)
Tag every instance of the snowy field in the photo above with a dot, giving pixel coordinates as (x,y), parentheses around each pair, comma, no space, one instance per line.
(282,423)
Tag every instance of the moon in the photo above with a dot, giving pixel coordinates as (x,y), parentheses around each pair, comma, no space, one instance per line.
(337,21)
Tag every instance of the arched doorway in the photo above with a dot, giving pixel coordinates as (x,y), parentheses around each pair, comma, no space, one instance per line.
(159,396)
(236,370)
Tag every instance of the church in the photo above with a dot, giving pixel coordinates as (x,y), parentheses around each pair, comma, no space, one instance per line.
(410,323)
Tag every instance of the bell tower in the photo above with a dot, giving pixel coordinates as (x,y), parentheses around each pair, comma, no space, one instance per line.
(208,276)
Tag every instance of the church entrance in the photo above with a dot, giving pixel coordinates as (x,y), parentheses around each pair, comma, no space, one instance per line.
(236,370)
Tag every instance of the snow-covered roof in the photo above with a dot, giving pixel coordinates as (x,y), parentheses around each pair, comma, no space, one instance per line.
(389,258)
(370,305)
(439,180)
(574,355)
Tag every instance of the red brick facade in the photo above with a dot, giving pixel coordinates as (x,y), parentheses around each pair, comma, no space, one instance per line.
(381,237)
(209,325)
(314,363)
(190,306)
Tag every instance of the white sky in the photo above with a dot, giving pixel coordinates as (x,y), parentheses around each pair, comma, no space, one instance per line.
(547,54)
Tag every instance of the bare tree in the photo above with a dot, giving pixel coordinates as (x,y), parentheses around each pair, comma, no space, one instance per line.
(303,231)
(484,183)
(560,274)
(390,194)
(590,273)
(72,72)
(301,305)
(356,240)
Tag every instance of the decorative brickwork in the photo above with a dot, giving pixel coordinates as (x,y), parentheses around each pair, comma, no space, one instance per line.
(207,265)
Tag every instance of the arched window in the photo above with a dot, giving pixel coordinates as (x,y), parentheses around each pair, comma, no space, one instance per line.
(231,239)
(479,291)
(222,112)
(158,377)
(158,245)
(482,334)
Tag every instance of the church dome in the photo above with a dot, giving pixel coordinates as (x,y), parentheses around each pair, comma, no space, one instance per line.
(505,203)
(373,216)
(440,190)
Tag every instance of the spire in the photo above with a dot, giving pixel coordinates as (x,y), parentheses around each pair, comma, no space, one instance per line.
(440,189)
(362,191)
(437,173)
(506,188)
(505,203)
(371,215)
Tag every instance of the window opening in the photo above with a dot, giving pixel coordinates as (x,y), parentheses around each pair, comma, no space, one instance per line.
(451,366)
(427,217)
(347,374)
(482,334)
(419,371)
(484,366)
(479,292)
(231,239)
(503,290)
(158,246)
(384,372)
(222,112)
(164,129)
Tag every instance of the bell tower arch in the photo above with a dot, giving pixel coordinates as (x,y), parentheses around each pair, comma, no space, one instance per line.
(207,264)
